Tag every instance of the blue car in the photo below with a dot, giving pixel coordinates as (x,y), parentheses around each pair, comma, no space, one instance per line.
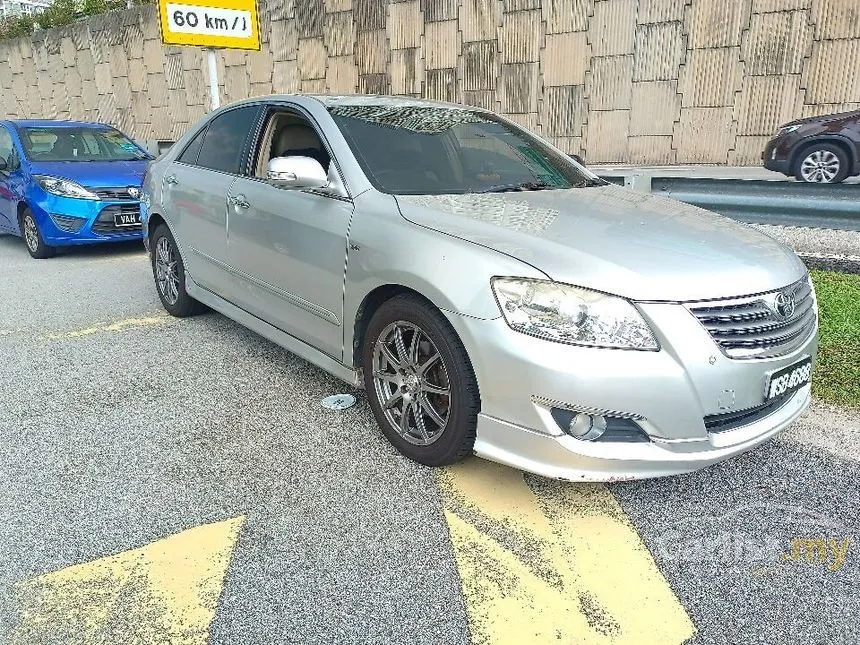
(64,183)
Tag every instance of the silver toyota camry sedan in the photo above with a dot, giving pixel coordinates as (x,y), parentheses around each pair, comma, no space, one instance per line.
(490,294)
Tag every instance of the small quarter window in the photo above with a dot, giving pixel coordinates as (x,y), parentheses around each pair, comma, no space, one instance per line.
(189,155)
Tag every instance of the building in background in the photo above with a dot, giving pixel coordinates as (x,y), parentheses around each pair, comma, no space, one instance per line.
(17,7)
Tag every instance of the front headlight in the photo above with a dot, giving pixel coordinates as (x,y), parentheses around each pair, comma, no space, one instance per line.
(63,187)
(568,314)
(788,129)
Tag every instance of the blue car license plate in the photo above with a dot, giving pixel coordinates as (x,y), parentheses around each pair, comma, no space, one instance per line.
(127,219)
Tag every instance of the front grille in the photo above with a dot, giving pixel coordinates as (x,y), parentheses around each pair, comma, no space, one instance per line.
(756,326)
(68,224)
(106,225)
(732,420)
(118,194)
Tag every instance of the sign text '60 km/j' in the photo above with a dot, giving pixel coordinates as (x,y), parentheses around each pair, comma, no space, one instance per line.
(210,23)
(185,19)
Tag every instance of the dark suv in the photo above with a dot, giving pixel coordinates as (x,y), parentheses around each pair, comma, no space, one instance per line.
(821,149)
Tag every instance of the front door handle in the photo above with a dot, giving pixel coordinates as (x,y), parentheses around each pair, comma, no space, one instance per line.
(239,201)
(171,180)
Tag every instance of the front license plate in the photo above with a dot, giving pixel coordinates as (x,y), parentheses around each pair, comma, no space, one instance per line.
(127,219)
(788,379)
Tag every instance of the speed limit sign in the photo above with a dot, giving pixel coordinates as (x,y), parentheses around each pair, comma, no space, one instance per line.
(222,24)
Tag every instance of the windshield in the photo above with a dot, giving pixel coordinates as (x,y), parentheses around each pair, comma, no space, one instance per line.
(408,150)
(79,144)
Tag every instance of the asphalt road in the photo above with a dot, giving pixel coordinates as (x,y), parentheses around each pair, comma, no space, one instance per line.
(121,427)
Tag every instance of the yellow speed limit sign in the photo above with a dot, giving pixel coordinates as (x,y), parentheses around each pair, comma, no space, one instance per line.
(227,24)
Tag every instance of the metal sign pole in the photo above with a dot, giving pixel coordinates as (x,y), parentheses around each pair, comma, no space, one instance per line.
(213,78)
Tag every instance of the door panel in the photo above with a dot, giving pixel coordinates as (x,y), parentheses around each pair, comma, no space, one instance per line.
(195,202)
(289,251)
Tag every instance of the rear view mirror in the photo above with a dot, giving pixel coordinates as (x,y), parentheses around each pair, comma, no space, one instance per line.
(296,173)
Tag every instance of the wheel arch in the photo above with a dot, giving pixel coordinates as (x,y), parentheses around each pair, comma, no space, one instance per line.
(152,223)
(835,139)
(22,206)
(372,301)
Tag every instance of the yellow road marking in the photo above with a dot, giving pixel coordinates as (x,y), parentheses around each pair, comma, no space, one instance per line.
(556,563)
(165,592)
(121,325)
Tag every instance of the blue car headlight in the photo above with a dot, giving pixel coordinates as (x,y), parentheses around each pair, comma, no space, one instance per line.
(63,187)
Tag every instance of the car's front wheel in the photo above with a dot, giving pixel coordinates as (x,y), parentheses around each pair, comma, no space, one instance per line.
(823,163)
(169,273)
(420,382)
(33,237)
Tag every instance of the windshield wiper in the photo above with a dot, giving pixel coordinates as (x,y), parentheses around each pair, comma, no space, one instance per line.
(590,183)
(524,185)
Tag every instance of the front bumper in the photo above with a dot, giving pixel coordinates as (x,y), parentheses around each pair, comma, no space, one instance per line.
(671,391)
(64,221)
(776,155)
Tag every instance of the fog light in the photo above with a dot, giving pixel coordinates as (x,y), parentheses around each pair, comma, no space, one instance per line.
(587,427)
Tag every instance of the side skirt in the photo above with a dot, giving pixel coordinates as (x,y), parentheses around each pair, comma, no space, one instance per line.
(290,343)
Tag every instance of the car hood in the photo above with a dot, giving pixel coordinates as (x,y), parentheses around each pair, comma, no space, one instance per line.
(827,118)
(94,174)
(615,240)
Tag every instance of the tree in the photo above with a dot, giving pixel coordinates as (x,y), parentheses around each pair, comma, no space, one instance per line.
(61,12)
(16,26)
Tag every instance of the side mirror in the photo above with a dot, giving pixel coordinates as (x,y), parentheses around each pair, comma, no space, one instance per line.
(577,159)
(296,172)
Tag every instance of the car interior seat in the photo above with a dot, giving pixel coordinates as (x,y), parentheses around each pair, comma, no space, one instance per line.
(300,140)
(64,147)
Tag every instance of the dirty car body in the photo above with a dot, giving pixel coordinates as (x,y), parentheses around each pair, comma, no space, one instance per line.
(581,331)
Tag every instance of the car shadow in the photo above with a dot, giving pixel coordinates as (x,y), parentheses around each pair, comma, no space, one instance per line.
(13,243)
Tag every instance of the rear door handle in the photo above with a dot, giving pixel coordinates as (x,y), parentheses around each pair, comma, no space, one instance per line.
(171,180)
(239,201)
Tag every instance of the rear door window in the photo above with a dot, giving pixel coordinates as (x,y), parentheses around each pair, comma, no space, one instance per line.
(7,150)
(226,140)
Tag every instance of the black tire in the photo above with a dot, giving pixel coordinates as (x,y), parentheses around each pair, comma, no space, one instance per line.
(34,241)
(456,438)
(825,151)
(174,299)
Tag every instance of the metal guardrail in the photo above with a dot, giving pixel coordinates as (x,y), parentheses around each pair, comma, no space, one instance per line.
(756,201)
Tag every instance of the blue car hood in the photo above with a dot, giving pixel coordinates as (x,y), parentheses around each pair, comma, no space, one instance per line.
(94,174)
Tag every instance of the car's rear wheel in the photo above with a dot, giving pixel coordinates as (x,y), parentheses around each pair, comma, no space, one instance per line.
(33,237)
(822,163)
(420,382)
(169,273)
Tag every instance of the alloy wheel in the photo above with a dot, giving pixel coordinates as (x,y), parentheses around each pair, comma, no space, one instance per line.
(411,383)
(166,271)
(31,233)
(820,166)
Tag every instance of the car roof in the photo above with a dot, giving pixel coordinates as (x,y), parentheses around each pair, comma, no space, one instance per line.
(55,123)
(388,101)
(330,100)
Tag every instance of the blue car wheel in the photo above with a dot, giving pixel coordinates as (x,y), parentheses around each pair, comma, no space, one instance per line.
(33,237)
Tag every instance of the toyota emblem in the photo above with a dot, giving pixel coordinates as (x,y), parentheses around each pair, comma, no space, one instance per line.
(784,304)
(133,192)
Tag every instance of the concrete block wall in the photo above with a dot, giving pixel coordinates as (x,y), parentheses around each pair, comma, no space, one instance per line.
(618,81)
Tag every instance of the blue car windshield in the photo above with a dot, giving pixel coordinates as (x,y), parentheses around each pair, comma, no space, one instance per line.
(79,144)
